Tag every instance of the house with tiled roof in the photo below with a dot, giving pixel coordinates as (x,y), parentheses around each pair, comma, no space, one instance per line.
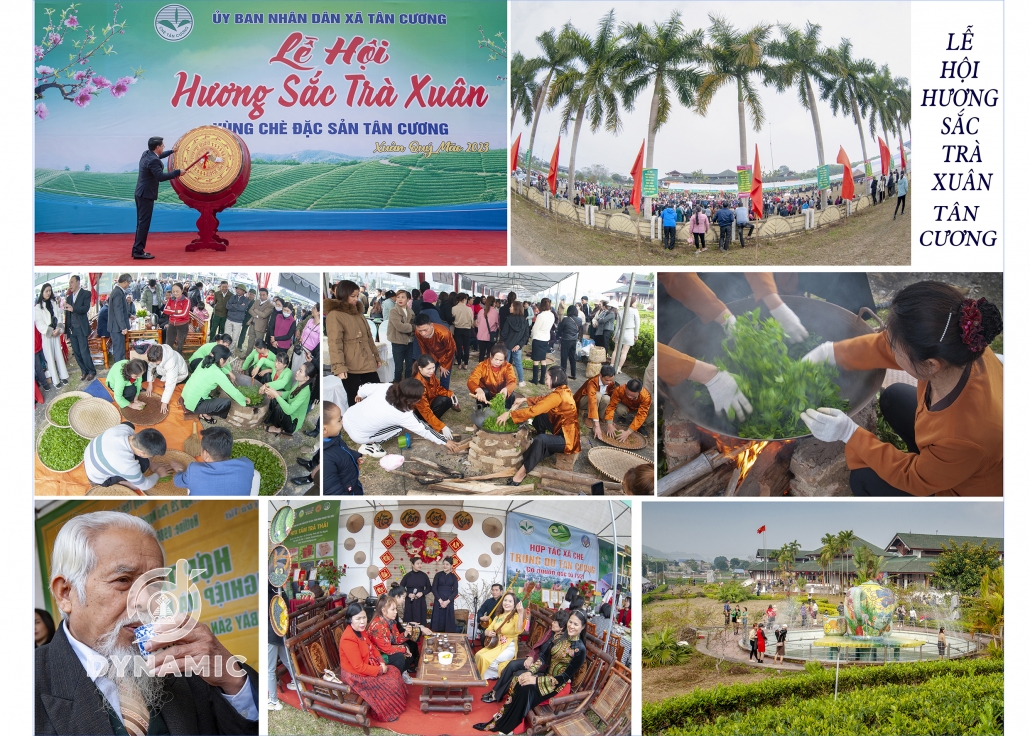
(908,559)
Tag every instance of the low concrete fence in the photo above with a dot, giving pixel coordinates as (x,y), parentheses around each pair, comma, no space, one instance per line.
(614,221)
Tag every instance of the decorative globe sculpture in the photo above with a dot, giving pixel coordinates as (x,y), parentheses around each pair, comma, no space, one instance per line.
(216,168)
(868,609)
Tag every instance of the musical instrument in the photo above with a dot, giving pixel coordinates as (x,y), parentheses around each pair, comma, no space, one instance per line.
(216,176)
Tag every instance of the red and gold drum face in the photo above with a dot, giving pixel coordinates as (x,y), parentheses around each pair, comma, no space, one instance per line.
(220,170)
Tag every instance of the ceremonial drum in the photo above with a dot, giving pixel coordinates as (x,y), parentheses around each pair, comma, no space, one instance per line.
(216,168)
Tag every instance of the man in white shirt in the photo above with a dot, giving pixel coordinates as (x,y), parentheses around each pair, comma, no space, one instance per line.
(170,366)
(96,559)
(122,456)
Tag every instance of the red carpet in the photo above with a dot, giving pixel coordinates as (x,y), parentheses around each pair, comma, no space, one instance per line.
(414,721)
(285,248)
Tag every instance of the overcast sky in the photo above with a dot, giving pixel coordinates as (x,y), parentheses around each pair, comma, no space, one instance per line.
(878,31)
(712,528)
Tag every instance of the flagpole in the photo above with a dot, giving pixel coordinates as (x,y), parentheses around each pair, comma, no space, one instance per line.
(766,555)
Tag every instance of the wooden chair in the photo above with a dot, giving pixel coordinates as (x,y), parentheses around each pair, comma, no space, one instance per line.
(311,653)
(591,629)
(154,335)
(98,346)
(195,337)
(609,707)
(591,677)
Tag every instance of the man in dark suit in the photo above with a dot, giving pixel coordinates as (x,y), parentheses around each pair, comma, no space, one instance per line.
(118,317)
(79,688)
(77,326)
(151,173)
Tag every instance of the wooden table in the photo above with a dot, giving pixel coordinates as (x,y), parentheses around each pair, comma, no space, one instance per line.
(447,688)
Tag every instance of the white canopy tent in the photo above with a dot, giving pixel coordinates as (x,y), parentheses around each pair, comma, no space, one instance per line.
(525,284)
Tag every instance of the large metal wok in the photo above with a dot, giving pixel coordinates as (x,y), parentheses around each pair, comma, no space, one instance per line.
(828,320)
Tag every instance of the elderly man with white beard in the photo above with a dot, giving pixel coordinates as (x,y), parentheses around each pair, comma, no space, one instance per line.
(96,559)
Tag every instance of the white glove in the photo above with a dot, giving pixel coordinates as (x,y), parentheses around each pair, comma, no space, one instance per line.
(729,324)
(447,434)
(727,396)
(790,323)
(829,425)
(822,353)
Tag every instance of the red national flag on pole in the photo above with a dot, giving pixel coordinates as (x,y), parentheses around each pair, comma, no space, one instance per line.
(901,145)
(637,172)
(761,529)
(847,189)
(552,173)
(756,190)
(515,153)
(885,157)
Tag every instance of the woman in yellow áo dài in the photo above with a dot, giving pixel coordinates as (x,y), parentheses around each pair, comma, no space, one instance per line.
(502,636)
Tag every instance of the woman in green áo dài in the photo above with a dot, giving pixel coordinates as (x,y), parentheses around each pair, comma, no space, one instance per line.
(287,411)
(125,379)
(280,378)
(196,394)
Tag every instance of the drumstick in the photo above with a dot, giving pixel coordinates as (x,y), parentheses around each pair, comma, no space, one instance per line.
(204,158)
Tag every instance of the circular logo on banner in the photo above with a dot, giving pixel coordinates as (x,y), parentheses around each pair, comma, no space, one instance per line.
(383,519)
(173,22)
(436,518)
(585,541)
(410,518)
(559,533)
(526,527)
(463,521)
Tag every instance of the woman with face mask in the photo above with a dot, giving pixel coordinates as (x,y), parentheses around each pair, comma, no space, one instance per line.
(283,327)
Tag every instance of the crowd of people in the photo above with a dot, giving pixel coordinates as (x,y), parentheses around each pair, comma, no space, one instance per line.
(283,361)
(431,335)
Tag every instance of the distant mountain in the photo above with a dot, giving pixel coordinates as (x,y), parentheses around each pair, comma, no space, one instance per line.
(308,157)
(651,551)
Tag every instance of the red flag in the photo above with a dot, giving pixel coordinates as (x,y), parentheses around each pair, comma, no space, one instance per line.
(761,529)
(847,189)
(552,173)
(756,190)
(637,172)
(515,153)
(885,157)
(901,145)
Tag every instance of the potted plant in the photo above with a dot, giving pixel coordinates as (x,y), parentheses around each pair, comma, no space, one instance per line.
(328,574)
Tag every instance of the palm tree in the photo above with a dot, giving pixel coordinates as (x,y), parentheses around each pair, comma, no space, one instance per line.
(829,553)
(867,565)
(734,57)
(844,540)
(664,53)
(524,87)
(845,85)
(878,103)
(556,56)
(801,59)
(900,103)
(591,92)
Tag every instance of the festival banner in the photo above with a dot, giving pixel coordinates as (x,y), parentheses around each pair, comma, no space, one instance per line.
(823,176)
(220,537)
(744,180)
(389,116)
(650,183)
(314,534)
(549,554)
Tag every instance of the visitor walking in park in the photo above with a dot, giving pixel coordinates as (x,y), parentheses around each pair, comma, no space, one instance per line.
(942,641)
(902,192)
(760,642)
(669,227)
(781,644)
(753,641)
(724,219)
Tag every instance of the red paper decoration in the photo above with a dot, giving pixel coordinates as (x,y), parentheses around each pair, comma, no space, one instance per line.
(385,574)
(457,561)
(380,589)
(421,543)
(389,541)
(386,558)
(456,544)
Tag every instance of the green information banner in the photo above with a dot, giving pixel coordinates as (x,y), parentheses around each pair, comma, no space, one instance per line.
(823,173)
(315,534)
(744,179)
(649,187)
(868,169)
